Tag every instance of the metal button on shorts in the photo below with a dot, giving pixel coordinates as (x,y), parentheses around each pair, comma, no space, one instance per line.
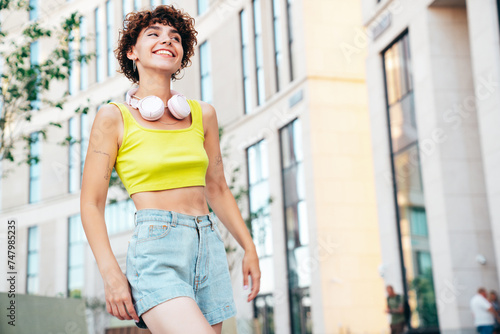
(172,254)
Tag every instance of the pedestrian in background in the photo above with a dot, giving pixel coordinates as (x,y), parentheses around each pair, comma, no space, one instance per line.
(493,298)
(483,311)
(396,309)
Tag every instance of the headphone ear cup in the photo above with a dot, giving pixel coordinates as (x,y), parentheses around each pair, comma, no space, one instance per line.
(151,108)
(178,106)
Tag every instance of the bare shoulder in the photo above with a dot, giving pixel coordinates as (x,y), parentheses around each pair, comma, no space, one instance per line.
(206,108)
(108,118)
(107,123)
(209,115)
(108,111)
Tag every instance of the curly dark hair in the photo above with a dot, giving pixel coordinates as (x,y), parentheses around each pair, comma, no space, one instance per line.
(136,21)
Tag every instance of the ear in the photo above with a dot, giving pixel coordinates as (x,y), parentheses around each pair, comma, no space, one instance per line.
(131,54)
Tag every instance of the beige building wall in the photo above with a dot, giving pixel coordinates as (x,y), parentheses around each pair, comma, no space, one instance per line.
(345,215)
(450,65)
(331,102)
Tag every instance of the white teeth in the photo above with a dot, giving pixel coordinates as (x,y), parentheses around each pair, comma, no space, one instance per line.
(163,52)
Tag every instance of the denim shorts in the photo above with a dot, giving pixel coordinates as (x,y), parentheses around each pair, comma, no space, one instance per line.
(172,254)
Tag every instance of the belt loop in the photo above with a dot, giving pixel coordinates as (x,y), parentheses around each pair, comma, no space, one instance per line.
(135,218)
(211,220)
(174,218)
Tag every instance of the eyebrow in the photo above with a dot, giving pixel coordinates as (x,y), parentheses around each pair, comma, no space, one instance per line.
(174,31)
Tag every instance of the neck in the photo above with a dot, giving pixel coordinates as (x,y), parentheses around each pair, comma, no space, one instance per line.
(155,83)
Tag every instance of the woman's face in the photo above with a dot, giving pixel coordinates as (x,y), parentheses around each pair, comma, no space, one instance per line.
(150,41)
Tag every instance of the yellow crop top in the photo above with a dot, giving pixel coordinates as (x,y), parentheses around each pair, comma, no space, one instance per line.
(155,159)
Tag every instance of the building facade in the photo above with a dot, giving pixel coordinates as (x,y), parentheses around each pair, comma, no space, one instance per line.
(432,78)
(293,105)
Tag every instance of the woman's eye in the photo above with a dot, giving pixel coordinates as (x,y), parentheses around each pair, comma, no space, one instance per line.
(153,34)
(178,39)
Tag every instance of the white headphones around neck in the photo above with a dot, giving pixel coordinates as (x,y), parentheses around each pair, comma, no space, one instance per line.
(152,107)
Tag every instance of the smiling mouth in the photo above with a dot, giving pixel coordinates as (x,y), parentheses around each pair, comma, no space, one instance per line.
(164,54)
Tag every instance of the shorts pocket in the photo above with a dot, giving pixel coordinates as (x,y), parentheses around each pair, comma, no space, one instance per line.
(149,232)
(217,233)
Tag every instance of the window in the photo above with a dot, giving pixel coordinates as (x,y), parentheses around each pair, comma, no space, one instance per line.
(258,184)
(261,227)
(35,150)
(109,38)
(137,4)
(277,42)
(290,36)
(72,80)
(264,313)
(98,45)
(206,81)
(35,8)
(34,61)
(73,156)
(119,216)
(259,58)
(409,195)
(84,79)
(76,257)
(202,6)
(245,62)
(33,261)
(154,3)
(498,10)
(296,226)
(84,143)
(126,7)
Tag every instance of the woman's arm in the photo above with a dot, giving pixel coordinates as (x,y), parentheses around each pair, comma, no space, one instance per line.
(99,162)
(222,201)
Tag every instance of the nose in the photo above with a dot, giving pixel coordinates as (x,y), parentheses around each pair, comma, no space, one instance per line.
(169,41)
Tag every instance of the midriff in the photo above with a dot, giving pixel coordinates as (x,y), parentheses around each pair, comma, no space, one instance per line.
(188,200)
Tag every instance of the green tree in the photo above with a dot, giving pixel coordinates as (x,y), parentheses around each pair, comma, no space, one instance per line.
(24,83)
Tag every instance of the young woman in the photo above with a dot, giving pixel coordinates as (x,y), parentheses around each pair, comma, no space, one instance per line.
(177,278)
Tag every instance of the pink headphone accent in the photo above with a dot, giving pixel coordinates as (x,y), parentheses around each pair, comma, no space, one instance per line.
(152,107)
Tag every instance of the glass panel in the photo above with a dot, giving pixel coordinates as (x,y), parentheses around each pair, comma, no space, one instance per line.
(299,260)
(32,285)
(206,88)
(33,238)
(109,37)
(301,187)
(290,36)
(202,6)
(258,52)
(72,70)
(403,124)
(285,148)
(277,40)
(34,12)
(98,45)
(83,50)
(302,219)
(402,77)
(33,263)
(389,77)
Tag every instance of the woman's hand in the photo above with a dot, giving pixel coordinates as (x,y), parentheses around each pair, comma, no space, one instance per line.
(251,267)
(119,296)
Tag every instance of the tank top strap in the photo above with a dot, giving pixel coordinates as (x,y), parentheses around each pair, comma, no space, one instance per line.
(197,115)
(125,114)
